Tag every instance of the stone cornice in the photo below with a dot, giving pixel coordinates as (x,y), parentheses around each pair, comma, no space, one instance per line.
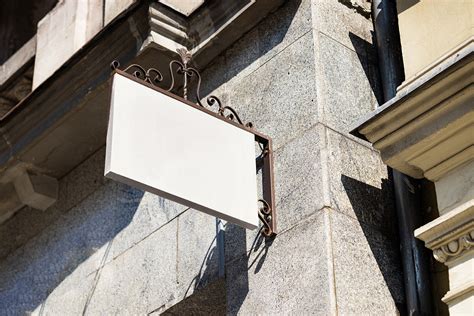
(426,130)
(450,236)
(211,28)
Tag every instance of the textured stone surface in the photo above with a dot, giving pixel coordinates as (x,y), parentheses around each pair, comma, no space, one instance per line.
(69,297)
(78,21)
(106,248)
(345,90)
(113,8)
(341,21)
(197,261)
(367,272)
(298,189)
(141,279)
(151,214)
(270,281)
(455,188)
(37,272)
(70,243)
(283,28)
(279,97)
(298,178)
(73,188)
(210,300)
(359,184)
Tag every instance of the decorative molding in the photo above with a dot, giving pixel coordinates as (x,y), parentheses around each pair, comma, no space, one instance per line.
(454,248)
(450,236)
(458,293)
(426,130)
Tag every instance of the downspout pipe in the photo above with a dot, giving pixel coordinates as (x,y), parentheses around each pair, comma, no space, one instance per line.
(415,259)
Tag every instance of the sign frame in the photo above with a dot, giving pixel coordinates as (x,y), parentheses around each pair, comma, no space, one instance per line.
(264,161)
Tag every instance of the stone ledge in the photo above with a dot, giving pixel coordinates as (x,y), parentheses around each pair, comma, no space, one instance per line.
(459,293)
(450,236)
(425,131)
(18,60)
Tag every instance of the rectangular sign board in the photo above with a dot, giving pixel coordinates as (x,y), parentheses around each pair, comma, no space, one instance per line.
(159,143)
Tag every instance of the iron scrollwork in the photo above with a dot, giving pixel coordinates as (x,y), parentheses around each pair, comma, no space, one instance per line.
(265,215)
(154,76)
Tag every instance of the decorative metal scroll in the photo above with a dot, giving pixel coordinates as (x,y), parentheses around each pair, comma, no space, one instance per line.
(154,76)
(265,216)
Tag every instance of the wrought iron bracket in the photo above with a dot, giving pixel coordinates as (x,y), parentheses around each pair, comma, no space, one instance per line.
(264,161)
(267,213)
(154,77)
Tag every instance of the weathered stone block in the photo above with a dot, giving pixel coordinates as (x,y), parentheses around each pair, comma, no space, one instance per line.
(279,97)
(284,27)
(270,281)
(73,188)
(358,183)
(344,90)
(77,22)
(367,271)
(43,269)
(140,280)
(198,254)
(71,243)
(151,214)
(114,7)
(342,19)
(298,178)
(70,297)
(298,189)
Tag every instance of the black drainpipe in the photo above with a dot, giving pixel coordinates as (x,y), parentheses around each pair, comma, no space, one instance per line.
(414,256)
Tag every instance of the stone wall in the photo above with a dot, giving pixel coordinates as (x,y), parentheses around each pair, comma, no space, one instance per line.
(302,76)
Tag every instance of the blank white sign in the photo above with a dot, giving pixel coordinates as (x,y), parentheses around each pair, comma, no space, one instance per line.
(162,145)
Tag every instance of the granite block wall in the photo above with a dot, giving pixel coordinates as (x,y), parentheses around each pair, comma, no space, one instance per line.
(302,76)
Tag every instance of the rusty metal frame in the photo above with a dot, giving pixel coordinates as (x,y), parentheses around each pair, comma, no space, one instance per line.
(153,77)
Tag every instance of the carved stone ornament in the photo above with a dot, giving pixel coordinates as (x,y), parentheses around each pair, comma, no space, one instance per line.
(454,248)
(451,235)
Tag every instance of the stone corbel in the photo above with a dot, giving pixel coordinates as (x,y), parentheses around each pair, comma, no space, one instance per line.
(20,187)
(36,190)
(205,28)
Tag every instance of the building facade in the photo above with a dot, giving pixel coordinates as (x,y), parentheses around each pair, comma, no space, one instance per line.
(303,72)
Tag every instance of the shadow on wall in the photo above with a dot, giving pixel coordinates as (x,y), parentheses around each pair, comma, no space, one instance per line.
(242,258)
(243,263)
(367,54)
(274,32)
(208,296)
(34,271)
(207,270)
(376,206)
